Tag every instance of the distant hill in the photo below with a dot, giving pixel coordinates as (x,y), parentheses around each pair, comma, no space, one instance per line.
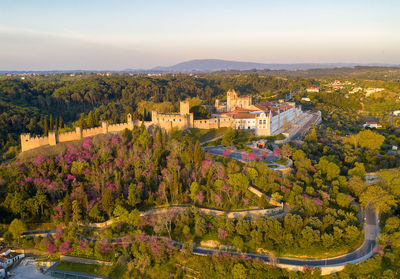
(211,65)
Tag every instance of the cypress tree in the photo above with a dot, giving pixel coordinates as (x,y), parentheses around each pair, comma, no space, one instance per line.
(60,123)
(198,154)
(51,122)
(45,126)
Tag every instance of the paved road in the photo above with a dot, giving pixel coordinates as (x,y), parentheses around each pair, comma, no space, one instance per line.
(371,231)
(236,154)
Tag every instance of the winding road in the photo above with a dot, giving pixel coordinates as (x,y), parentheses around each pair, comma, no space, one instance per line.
(365,251)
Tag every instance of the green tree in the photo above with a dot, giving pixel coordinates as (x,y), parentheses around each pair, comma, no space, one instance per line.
(133,195)
(198,154)
(76,212)
(17,227)
(228,138)
(381,199)
(200,226)
(107,201)
(239,271)
(194,189)
(67,209)
(358,170)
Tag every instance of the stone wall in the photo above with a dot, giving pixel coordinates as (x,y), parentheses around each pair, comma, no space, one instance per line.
(70,136)
(171,120)
(213,123)
(28,142)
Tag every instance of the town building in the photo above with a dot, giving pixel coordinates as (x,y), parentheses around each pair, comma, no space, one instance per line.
(372,125)
(370,91)
(8,257)
(312,90)
(355,90)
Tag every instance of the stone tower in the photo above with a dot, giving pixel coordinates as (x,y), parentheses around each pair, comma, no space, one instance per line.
(25,141)
(184,107)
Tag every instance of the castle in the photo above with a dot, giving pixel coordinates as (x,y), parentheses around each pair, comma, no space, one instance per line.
(28,142)
(242,113)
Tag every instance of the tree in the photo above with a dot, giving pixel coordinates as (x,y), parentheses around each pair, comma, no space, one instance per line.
(194,189)
(200,226)
(276,197)
(76,212)
(133,195)
(312,136)
(107,201)
(239,181)
(370,139)
(330,169)
(67,209)
(357,185)
(198,154)
(381,199)
(358,170)
(16,228)
(239,271)
(41,199)
(365,139)
(342,200)
(228,138)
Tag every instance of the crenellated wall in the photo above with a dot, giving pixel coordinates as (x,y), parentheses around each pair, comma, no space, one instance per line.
(92,132)
(170,120)
(28,142)
(70,136)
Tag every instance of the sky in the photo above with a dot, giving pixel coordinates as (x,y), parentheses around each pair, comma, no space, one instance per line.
(116,35)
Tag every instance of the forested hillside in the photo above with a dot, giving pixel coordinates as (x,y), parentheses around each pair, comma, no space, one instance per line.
(41,103)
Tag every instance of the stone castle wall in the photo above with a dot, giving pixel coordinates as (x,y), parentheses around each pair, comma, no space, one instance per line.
(28,142)
(213,123)
(70,136)
(92,132)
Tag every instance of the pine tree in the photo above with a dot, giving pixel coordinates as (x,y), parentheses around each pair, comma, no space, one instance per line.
(107,201)
(51,123)
(159,136)
(55,124)
(84,201)
(198,154)
(82,120)
(91,121)
(45,126)
(60,122)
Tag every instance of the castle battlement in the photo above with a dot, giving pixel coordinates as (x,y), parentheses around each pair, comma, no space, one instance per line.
(28,142)
(264,119)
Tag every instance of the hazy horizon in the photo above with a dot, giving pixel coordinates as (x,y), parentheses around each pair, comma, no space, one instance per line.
(102,35)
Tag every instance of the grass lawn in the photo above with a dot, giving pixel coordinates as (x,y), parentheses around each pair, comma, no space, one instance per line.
(204,134)
(281,161)
(114,272)
(86,268)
